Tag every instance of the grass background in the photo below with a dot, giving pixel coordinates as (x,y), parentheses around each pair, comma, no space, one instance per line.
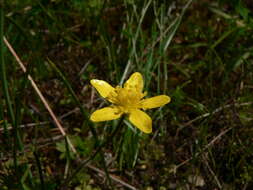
(197,52)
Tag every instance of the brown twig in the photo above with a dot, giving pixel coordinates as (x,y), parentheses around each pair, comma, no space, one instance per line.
(57,123)
(114,178)
(211,113)
(9,127)
(206,147)
(42,123)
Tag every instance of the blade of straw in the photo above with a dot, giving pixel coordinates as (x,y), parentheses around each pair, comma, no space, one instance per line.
(37,90)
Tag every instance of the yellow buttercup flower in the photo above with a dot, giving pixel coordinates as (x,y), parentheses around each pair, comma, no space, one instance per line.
(127,100)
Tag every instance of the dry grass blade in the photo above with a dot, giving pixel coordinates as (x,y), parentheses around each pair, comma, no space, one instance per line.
(37,90)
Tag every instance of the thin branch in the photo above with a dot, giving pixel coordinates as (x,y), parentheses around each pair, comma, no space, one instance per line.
(57,123)
(42,123)
(206,147)
(26,125)
(114,178)
(213,112)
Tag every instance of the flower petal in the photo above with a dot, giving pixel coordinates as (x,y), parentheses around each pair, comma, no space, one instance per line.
(141,120)
(102,87)
(155,102)
(135,81)
(105,114)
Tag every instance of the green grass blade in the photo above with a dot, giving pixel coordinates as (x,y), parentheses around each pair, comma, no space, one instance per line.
(83,111)
(73,95)
(3,68)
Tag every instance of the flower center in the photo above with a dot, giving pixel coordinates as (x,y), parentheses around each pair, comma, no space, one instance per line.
(127,98)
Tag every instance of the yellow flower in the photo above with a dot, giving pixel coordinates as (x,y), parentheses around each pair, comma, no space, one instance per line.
(127,100)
